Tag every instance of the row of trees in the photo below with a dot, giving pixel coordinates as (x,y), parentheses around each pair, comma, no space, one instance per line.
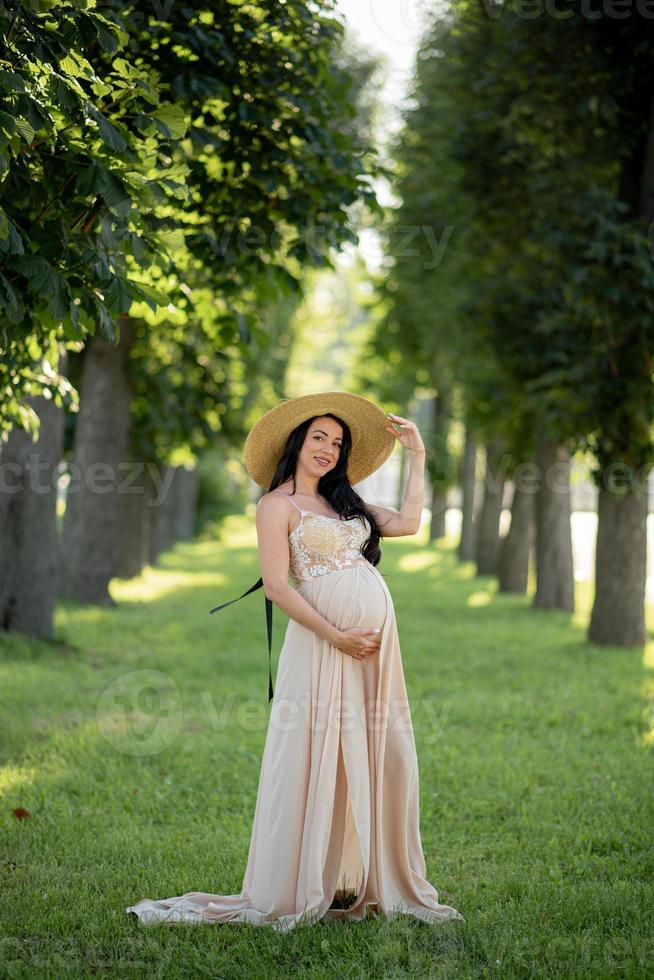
(522,284)
(166,176)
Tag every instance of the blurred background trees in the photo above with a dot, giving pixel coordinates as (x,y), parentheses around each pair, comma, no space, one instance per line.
(528,147)
(191,200)
(166,180)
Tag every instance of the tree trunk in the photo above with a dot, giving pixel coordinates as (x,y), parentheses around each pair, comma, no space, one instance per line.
(467,481)
(554,568)
(440,460)
(134,519)
(618,616)
(186,496)
(162,519)
(28,521)
(488,531)
(516,546)
(438,513)
(101,439)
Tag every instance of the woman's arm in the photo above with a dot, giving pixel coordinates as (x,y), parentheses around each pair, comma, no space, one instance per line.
(396,523)
(406,520)
(272,534)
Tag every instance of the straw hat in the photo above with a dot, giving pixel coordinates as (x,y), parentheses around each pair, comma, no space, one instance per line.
(372,444)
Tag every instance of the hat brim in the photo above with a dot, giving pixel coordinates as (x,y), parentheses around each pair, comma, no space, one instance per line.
(372,443)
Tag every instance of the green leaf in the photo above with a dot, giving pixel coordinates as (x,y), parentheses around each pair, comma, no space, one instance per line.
(101,89)
(11,301)
(38,271)
(25,129)
(60,299)
(117,296)
(12,80)
(11,241)
(63,96)
(35,113)
(125,69)
(152,296)
(106,37)
(71,65)
(108,132)
(171,121)
(105,322)
(45,283)
(7,124)
(96,179)
(139,249)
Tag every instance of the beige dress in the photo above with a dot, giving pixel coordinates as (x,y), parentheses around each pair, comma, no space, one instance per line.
(337,804)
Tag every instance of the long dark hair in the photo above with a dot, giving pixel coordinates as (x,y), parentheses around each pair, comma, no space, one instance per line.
(334,486)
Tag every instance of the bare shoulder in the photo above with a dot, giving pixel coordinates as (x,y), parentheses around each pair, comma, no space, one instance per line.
(271,507)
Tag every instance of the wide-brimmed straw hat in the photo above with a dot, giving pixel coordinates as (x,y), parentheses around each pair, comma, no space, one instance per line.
(372,443)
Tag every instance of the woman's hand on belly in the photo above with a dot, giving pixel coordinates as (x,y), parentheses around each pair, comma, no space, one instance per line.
(359,641)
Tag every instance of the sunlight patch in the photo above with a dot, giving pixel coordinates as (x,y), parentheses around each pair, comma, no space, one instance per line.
(418,561)
(157,583)
(478,599)
(11,777)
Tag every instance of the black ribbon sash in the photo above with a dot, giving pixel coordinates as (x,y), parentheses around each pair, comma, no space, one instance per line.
(269,613)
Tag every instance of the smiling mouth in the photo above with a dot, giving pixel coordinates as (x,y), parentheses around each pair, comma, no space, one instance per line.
(321,461)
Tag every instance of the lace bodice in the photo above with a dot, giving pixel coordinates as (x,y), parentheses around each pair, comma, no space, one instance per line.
(321,544)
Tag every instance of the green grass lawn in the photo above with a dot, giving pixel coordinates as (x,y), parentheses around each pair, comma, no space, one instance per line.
(536,789)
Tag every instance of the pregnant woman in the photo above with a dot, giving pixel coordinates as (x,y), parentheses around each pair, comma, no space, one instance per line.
(337,808)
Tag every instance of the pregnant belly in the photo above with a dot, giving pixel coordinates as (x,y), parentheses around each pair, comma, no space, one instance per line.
(352,596)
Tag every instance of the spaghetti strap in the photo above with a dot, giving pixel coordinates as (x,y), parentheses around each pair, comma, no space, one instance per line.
(288,497)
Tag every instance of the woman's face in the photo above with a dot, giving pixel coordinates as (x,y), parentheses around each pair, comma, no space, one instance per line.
(322,445)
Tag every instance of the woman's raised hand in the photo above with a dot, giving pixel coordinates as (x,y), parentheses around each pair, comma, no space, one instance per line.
(409,435)
(359,641)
